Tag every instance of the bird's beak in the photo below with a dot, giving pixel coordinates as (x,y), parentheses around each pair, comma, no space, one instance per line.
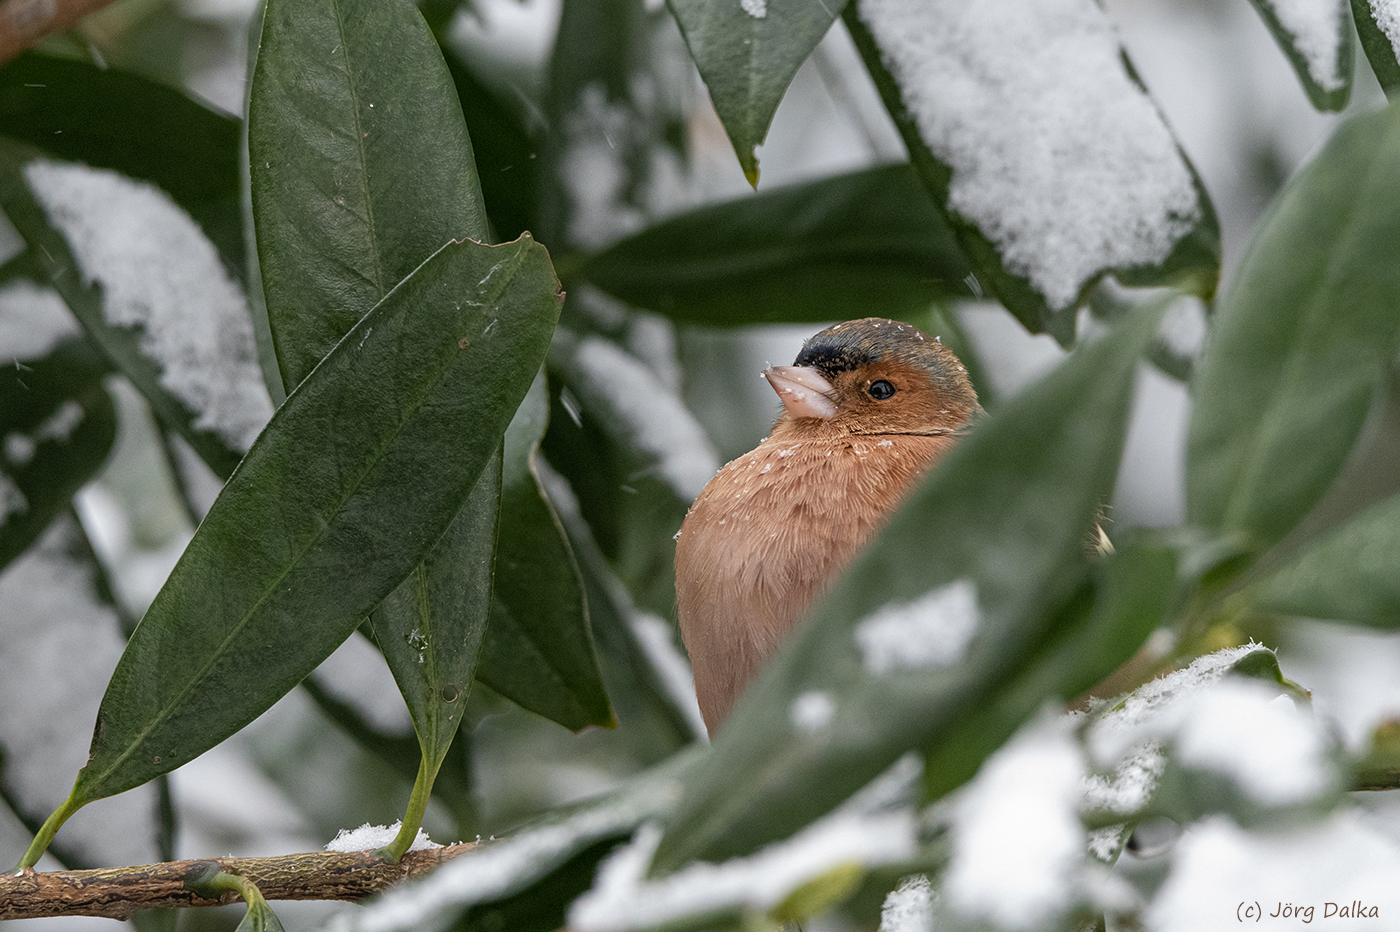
(805,392)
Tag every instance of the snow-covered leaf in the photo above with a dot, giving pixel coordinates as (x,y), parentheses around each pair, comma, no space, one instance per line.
(529,858)
(747,52)
(1004,514)
(106,117)
(1378,26)
(1050,160)
(633,453)
(1301,343)
(150,291)
(1316,37)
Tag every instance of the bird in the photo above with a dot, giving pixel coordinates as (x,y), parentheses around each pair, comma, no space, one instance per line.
(868,407)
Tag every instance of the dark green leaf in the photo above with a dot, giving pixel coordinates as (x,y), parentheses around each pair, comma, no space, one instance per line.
(747,54)
(1328,83)
(868,243)
(359,474)
(58,424)
(430,627)
(1302,342)
(1049,202)
(1379,48)
(361,166)
(994,538)
(597,50)
(259,918)
(539,648)
(1350,574)
(108,118)
(505,154)
(124,346)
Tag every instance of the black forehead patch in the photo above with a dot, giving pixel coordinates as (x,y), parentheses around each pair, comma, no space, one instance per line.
(859,343)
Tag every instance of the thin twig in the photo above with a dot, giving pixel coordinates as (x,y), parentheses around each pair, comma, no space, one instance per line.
(116,893)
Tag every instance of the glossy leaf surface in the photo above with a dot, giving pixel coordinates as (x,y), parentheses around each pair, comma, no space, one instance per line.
(1302,341)
(869,243)
(998,527)
(1350,574)
(539,649)
(344,92)
(363,467)
(747,54)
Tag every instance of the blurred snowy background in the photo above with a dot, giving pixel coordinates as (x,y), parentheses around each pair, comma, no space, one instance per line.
(291,780)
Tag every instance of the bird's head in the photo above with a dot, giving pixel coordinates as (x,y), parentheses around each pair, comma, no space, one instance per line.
(873,376)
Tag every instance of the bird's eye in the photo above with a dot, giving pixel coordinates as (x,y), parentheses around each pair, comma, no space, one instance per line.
(880,390)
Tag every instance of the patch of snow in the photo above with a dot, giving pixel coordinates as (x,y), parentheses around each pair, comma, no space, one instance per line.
(654,636)
(1274,751)
(758,9)
(1316,29)
(12,500)
(61,424)
(1017,841)
(1353,673)
(20,448)
(812,712)
(506,865)
(1057,156)
(159,273)
(33,320)
(909,907)
(1119,729)
(653,419)
(58,646)
(595,172)
(1220,872)
(1130,786)
(370,837)
(622,898)
(1386,13)
(930,631)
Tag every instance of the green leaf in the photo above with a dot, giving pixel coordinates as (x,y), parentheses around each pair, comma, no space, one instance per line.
(109,118)
(1350,574)
(126,347)
(358,475)
(747,54)
(1101,628)
(1033,161)
(1302,342)
(346,96)
(58,424)
(539,649)
(1327,79)
(995,539)
(430,627)
(1379,48)
(867,243)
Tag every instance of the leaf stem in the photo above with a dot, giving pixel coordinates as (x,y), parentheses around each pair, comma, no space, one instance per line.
(40,844)
(417,805)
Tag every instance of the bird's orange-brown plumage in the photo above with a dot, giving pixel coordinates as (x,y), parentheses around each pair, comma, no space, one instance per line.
(777,524)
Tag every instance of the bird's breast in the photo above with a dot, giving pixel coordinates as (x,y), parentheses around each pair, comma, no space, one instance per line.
(767,533)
